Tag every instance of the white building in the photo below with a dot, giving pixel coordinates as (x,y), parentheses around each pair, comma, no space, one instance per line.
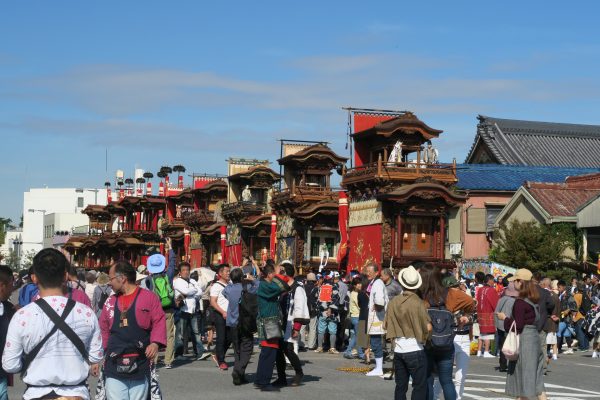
(46,211)
(12,241)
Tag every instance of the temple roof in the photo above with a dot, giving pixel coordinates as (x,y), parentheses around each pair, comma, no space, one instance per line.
(515,142)
(255,171)
(497,177)
(407,123)
(423,191)
(316,153)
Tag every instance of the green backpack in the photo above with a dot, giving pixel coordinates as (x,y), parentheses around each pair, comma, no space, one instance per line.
(163,289)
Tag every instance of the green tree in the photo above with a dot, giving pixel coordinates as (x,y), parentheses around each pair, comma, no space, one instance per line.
(5,225)
(12,260)
(531,245)
(28,259)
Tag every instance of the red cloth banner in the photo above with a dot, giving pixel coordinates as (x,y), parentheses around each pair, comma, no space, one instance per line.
(366,246)
(273,242)
(343,226)
(149,189)
(234,255)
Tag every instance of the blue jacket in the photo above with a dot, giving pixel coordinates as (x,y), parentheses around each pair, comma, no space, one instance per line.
(27,293)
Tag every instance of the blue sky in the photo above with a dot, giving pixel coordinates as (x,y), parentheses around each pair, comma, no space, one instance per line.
(191,82)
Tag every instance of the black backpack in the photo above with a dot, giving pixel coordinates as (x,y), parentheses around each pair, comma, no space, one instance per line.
(442,320)
(586,302)
(248,311)
(103,297)
(312,299)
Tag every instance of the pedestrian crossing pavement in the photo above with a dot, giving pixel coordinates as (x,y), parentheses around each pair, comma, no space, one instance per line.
(491,387)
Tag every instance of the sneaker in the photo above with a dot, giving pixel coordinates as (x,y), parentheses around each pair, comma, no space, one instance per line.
(204,356)
(387,376)
(375,372)
(168,366)
(554,357)
(595,354)
(488,355)
(333,351)
(319,350)
(568,351)
(479,354)
(223,367)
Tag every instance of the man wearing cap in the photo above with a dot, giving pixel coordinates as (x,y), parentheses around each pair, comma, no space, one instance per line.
(408,324)
(312,296)
(156,269)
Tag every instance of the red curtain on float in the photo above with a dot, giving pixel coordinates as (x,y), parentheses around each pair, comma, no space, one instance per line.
(234,255)
(196,258)
(273,243)
(343,227)
(366,246)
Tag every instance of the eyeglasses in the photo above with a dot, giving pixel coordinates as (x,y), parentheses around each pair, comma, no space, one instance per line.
(114,277)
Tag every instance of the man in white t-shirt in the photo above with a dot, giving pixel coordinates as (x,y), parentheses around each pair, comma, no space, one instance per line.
(378,301)
(62,365)
(219,304)
(187,289)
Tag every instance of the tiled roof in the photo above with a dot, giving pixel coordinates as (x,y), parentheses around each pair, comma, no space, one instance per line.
(515,142)
(511,177)
(558,199)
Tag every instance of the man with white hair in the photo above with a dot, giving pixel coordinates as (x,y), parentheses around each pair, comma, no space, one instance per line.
(378,301)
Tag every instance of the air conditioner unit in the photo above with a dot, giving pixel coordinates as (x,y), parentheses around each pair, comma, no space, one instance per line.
(455,249)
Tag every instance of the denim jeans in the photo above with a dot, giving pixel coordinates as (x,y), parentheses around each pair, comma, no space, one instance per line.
(583,342)
(352,343)
(414,365)
(327,324)
(126,389)
(3,388)
(563,330)
(376,342)
(442,361)
(189,320)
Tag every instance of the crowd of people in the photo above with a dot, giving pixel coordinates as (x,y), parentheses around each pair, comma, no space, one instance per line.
(120,325)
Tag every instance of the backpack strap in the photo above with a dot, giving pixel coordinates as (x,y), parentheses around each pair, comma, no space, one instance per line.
(58,322)
(64,327)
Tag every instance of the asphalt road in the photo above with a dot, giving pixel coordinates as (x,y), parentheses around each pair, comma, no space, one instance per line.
(571,377)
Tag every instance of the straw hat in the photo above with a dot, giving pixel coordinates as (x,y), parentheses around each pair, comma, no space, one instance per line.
(410,278)
(522,274)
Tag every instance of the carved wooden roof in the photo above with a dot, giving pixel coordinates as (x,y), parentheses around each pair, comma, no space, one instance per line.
(408,124)
(313,155)
(258,172)
(423,191)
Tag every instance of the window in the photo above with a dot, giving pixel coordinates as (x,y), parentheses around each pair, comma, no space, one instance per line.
(492,213)
(80,202)
(476,220)
(315,242)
